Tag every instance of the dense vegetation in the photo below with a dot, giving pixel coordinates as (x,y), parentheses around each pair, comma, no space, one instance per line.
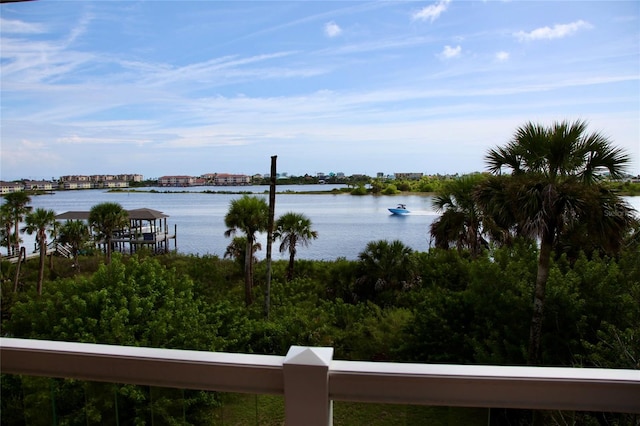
(550,232)
(442,306)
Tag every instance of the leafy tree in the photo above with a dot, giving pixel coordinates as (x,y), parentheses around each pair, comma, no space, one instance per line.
(248,214)
(554,184)
(376,186)
(18,206)
(359,190)
(293,229)
(41,222)
(390,189)
(461,220)
(105,219)
(76,234)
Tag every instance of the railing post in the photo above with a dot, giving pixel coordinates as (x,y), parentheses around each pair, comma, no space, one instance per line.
(306,386)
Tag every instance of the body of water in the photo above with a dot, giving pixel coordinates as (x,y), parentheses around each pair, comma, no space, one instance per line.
(345,223)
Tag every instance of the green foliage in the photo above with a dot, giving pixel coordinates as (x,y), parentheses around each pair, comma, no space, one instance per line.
(390,189)
(135,303)
(457,310)
(384,267)
(76,234)
(359,190)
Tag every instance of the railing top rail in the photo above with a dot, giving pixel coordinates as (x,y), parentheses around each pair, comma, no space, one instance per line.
(227,372)
(457,371)
(227,358)
(545,388)
(582,389)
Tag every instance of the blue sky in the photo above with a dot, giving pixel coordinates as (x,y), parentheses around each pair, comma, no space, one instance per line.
(193,87)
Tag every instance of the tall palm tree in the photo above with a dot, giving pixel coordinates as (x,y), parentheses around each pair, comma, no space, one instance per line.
(250,215)
(293,229)
(105,219)
(18,206)
(461,218)
(41,222)
(555,184)
(76,234)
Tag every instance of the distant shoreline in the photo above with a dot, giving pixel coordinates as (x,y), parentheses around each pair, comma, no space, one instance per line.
(330,192)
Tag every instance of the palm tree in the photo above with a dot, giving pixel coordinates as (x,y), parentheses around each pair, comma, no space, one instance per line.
(76,234)
(105,219)
(461,218)
(6,221)
(250,215)
(293,229)
(555,184)
(18,206)
(40,222)
(236,250)
(384,265)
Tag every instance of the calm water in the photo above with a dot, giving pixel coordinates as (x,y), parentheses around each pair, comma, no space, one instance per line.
(345,223)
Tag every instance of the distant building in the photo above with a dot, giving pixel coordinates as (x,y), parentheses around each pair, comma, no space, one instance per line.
(39,185)
(9,187)
(130,177)
(103,178)
(75,178)
(176,181)
(231,179)
(115,184)
(77,184)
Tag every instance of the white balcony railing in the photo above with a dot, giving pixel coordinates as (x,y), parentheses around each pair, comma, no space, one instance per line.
(310,379)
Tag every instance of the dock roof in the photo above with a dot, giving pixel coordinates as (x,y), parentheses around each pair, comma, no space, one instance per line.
(135,214)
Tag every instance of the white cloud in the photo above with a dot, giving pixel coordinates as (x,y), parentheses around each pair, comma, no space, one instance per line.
(502,56)
(558,31)
(331,29)
(19,27)
(431,12)
(451,52)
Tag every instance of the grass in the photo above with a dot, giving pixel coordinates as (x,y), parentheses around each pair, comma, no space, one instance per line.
(268,410)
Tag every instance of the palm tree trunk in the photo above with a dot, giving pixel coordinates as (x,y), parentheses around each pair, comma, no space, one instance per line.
(544,259)
(108,241)
(43,255)
(292,256)
(248,271)
(23,254)
(8,231)
(76,264)
(16,241)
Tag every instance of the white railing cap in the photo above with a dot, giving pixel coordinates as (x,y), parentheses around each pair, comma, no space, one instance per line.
(487,371)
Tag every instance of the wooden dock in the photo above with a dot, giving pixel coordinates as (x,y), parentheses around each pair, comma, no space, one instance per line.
(27,256)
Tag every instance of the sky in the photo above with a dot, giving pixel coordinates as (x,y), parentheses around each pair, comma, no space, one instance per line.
(359,87)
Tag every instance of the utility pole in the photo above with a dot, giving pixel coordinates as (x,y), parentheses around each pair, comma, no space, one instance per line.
(272,209)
